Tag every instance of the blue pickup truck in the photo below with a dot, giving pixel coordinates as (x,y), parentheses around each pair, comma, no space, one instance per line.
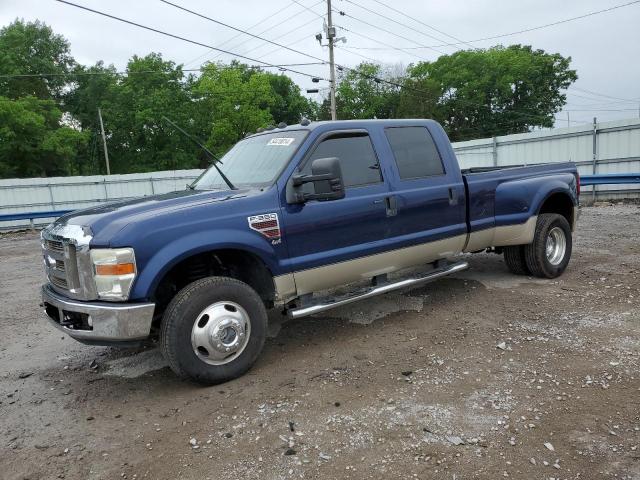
(283,218)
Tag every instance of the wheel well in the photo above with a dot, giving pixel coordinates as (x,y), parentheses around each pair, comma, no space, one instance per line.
(559,203)
(238,264)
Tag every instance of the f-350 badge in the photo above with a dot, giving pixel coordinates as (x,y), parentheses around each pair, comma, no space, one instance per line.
(268,225)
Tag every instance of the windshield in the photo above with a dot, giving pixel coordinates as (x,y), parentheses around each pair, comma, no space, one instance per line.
(253,162)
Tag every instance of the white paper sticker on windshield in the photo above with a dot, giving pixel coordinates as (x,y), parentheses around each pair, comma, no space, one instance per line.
(283,141)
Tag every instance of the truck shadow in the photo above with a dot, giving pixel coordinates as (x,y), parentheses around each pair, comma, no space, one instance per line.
(324,334)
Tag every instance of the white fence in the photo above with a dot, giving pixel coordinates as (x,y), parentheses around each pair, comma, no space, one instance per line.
(71,193)
(612,147)
(602,148)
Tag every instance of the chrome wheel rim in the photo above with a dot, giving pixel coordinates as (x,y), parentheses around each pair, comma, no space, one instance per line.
(220,333)
(556,245)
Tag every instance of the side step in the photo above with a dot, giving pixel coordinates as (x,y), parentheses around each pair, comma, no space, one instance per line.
(377,290)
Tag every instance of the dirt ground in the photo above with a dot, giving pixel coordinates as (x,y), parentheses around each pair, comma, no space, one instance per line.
(483,375)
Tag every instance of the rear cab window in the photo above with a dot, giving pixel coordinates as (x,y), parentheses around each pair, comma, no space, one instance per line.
(415,152)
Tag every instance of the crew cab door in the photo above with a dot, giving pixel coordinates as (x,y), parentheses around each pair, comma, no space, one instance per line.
(329,241)
(429,193)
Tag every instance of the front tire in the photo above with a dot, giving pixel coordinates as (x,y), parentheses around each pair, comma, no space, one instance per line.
(549,253)
(213,330)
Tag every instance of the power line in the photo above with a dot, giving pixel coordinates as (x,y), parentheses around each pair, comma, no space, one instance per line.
(590,92)
(229,40)
(297,2)
(422,23)
(526,30)
(348,50)
(394,21)
(601,110)
(128,72)
(281,37)
(345,14)
(379,41)
(284,20)
(602,103)
(187,40)
(238,29)
(601,100)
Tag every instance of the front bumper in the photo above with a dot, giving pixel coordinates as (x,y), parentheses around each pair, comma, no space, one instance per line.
(98,323)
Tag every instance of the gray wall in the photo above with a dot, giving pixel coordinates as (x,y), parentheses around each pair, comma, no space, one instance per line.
(611,147)
(71,193)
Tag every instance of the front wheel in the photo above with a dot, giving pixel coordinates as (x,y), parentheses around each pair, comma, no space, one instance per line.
(549,253)
(213,330)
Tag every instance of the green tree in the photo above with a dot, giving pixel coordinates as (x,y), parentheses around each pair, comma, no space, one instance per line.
(33,48)
(33,143)
(236,101)
(139,139)
(92,87)
(360,93)
(497,91)
(289,105)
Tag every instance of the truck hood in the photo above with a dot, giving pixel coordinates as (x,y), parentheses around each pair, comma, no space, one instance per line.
(106,220)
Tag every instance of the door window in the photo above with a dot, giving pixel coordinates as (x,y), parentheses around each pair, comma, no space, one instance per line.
(415,152)
(358,160)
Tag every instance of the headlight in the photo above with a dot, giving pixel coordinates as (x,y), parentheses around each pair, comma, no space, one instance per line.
(114,270)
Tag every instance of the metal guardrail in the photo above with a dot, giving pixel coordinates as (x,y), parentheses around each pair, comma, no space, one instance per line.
(610,179)
(31,215)
(585,180)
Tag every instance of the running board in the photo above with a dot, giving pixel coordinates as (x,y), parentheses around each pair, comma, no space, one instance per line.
(378,290)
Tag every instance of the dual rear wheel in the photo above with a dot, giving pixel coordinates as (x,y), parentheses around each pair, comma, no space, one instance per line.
(549,253)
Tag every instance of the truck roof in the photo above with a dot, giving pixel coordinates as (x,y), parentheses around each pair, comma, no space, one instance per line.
(341,124)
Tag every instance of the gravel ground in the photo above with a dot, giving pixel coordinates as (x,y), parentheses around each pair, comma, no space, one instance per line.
(482,375)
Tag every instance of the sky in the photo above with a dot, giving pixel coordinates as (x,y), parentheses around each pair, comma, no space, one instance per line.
(604,48)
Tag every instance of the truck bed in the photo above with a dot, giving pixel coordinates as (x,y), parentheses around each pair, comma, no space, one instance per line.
(508,195)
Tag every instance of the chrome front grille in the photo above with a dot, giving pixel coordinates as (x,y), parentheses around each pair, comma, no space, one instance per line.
(67,263)
(53,246)
(56,256)
(59,282)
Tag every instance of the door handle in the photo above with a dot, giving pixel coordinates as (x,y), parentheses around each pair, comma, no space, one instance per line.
(453,198)
(392,205)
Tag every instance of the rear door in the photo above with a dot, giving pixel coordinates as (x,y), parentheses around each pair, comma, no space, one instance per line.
(334,242)
(428,189)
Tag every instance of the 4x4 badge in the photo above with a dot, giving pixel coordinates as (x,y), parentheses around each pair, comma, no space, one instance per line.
(267,224)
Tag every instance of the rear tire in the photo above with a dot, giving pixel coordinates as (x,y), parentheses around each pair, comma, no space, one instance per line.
(514,258)
(213,330)
(549,253)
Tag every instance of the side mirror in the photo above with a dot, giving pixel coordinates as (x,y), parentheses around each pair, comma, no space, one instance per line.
(326,176)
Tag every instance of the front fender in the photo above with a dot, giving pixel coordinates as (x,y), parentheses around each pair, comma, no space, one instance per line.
(181,248)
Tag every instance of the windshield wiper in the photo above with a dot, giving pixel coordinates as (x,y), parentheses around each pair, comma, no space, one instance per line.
(207,151)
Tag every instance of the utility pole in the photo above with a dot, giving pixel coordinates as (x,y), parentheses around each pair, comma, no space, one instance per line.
(568,120)
(104,142)
(331,35)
